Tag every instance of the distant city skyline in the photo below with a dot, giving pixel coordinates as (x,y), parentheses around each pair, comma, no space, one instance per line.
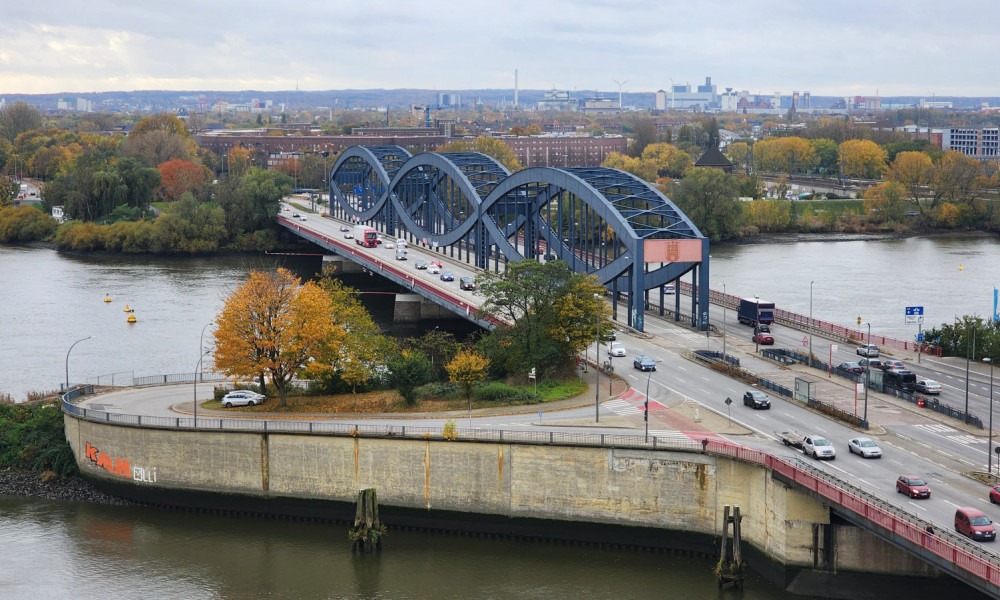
(846,48)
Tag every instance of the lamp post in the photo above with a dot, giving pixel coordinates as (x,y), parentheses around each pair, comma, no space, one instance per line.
(989,438)
(756,324)
(725,298)
(67,358)
(868,369)
(645,410)
(811,321)
(597,363)
(968,358)
(201,354)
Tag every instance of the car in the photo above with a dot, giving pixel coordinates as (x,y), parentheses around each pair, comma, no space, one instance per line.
(851,367)
(344,228)
(420,265)
(286,209)
(668,289)
(467,283)
(868,350)
(644,363)
(893,365)
(762,327)
(303,218)
(912,486)
(928,386)
(389,245)
(400,255)
(616,349)
(348,235)
(610,335)
(437,263)
(446,276)
(296,214)
(241,398)
(864,447)
(756,399)
(974,524)
(995,494)
(763,338)
(871,363)
(401,242)
(818,447)
(433,268)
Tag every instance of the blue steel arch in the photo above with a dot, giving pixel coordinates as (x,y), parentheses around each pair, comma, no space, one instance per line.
(597,219)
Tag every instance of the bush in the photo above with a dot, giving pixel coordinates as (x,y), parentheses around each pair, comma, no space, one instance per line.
(439,390)
(496,392)
(32,437)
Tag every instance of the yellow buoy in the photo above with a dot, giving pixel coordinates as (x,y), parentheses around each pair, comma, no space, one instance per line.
(127,309)
(107,298)
(959,266)
(131,318)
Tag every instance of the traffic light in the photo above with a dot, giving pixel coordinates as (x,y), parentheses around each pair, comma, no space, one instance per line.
(859,320)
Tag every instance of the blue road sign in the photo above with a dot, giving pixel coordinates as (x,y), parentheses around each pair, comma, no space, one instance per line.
(920,337)
(914,310)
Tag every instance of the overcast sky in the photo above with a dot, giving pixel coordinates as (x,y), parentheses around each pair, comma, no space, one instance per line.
(839,47)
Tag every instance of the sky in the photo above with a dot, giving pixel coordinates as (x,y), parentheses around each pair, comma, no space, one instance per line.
(833,48)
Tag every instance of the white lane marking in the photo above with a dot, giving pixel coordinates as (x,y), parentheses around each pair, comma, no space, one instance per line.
(706,378)
(904,437)
(786,414)
(832,466)
(952,503)
(915,505)
(681,368)
(864,481)
(948,454)
(865,465)
(968,462)
(819,429)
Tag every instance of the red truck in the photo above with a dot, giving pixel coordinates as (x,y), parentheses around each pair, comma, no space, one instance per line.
(366,236)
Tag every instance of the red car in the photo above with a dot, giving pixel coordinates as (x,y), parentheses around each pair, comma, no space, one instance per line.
(912,486)
(973,523)
(763,338)
(995,494)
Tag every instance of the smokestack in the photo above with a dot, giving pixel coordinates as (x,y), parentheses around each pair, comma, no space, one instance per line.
(515,88)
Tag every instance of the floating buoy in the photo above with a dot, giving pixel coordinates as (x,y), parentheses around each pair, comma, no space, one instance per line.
(959,266)
(131,318)
(127,309)
(107,298)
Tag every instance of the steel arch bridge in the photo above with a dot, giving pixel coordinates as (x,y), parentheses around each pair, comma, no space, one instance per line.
(601,221)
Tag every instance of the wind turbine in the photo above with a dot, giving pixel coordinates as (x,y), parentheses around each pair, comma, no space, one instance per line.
(620,84)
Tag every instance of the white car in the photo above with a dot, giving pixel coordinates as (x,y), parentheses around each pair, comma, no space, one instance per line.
(303,218)
(869,350)
(432,268)
(241,398)
(389,245)
(864,447)
(818,447)
(616,349)
(401,242)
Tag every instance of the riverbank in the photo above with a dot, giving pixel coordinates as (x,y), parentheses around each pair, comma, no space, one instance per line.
(73,488)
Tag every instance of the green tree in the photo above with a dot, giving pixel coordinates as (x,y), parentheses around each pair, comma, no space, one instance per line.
(407,372)
(17,118)
(709,197)
(826,155)
(643,134)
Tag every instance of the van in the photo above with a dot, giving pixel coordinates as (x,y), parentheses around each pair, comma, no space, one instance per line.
(975,524)
(900,380)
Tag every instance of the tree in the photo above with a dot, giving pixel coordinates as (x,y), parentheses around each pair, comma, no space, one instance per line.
(910,171)
(862,158)
(17,118)
(178,177)
(440,346)
(665,160)
(273,324)
(708,197)
(958,178)
(158,146)
(644,134)
(738,153)
(161,122)
(467,369)
(826,154)
(407,372)
(886,202)
(489,146)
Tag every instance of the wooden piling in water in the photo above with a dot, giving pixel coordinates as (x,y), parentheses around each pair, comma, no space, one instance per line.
(368,530)
(731,570)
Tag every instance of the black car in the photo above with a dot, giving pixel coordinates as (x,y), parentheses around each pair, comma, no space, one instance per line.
(467,283)
(610,336)
(852,367)
(644,363)
(421,265)
(756,399)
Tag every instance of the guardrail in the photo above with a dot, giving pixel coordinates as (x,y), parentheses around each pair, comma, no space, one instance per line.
(956,551)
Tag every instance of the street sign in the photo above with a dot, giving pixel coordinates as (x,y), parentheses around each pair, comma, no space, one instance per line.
(729,401)
(920,337)
(805,341)
(914,315)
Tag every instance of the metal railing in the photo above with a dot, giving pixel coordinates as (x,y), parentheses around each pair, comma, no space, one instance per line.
(957,552)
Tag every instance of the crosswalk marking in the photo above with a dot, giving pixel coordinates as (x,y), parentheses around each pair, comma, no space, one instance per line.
(950,433)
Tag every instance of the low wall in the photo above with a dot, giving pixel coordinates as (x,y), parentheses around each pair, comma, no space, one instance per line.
(646,497)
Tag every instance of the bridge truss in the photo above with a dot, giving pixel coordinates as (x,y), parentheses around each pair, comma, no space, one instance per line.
(603,222)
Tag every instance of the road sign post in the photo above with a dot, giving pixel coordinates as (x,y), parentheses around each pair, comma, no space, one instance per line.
(914,315)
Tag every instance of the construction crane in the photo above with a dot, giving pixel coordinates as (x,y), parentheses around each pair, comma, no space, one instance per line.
(427,108)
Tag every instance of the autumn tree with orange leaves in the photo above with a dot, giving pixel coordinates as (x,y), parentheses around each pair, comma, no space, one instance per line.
(275,325)
(179,176)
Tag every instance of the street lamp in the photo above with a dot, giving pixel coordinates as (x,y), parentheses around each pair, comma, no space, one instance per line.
(67,358)
(645,410)
(868,369)
(967,359)
(989,438)
(811,321)
(202,353)
(725,298)
(597,363)
(756,324)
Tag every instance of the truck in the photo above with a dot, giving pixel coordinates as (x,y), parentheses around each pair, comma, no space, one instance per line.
(753,312)
(812,445)
(365,235)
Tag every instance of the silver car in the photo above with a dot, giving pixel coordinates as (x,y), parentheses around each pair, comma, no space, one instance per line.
(241,398)
(616,349)
(864,447)
(869,350)
(928,386)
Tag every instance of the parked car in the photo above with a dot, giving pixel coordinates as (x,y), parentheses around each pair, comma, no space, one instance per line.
(433,268)
(912,486)
(868,350)
(644,363)
(995,494)
(974,523)
(467,283)
(852,367)
(864,447)
(756,399)
(893,365)
(446,276)
(616,349)
(421,265)
(928,386)
(241,398)
(871,363)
